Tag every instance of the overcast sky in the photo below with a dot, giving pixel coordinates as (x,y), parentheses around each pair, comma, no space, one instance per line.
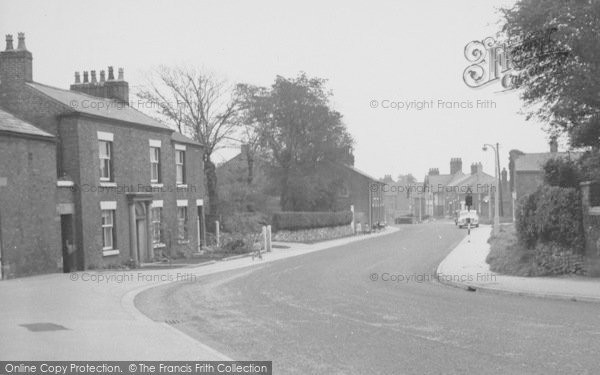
(370,50)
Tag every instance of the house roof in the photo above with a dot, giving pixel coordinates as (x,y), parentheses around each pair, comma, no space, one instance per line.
(12,124)
(78,102)
(178,137)
(358,171)
(479,182)
(440,179)
(534,162)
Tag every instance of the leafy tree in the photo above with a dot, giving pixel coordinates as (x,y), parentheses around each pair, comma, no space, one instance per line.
(562,172)
(555,49)
(200,104)
(303,138)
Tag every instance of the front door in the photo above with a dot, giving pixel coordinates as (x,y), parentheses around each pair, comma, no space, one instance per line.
(69,254)
(141,240)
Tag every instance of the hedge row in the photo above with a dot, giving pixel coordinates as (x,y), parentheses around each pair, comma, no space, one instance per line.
(551,215)
(309,220)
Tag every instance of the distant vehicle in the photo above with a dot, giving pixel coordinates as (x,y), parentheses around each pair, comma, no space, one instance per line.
(406,219)
(466,217)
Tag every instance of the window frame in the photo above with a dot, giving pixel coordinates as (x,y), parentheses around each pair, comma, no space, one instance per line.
(182,227)
(106,159)
(155,155)
(112,226)
(180,164)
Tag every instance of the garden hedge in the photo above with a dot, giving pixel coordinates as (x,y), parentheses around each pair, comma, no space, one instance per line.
(309,220)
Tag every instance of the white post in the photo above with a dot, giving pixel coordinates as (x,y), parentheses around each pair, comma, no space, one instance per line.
(217,233)
(352,223)
(264,236)
(198,233)
(268,238)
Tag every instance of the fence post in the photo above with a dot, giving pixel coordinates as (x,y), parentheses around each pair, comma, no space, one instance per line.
(217,233)
(264,237)
(199,245)
(352,223)
(268,238)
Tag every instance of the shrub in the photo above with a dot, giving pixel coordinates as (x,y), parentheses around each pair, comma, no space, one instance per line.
(308,220)
(243,230)
(562,172)
(551,215)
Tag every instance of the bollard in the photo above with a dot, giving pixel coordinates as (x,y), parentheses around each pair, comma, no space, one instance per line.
(268,238)
(217,233)
(264,237)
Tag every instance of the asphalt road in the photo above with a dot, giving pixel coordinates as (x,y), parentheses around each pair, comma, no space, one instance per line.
(338,311)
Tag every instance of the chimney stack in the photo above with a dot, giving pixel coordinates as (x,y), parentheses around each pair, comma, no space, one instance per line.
(433,172)
(504,176)
(105,88)
(77,78)
(94,80)
(119,89)
(16,65)
(102,76)
(9,42)
(111,75)
(455,165)
(85,77)
(21,45)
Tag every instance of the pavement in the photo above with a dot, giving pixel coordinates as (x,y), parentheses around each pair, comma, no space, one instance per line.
(466,267)
(90,315)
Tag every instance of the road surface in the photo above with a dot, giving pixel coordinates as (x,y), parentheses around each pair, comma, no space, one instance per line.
(370,308)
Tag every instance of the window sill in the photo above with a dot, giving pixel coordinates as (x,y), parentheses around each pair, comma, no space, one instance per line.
(108,184)
(183,242)
(156,185)
(64,183)
(159,245)
(110,252)
(182,186)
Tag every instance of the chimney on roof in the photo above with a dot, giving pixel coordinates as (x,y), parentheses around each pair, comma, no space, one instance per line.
(119,89)
(455,165)
(433,172)
(9,42)
(111,88)
(476,168)
(504,176)
(16,65)
(77,78)
(553,145)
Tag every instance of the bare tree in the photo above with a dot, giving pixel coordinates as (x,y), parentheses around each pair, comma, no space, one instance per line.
(197,104)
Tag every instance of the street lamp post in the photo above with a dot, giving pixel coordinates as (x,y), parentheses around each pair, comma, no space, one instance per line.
(496,227)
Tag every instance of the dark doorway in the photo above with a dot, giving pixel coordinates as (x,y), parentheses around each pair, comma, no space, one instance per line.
(201,227)
(69,253)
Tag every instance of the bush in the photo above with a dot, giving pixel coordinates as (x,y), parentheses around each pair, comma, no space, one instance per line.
(562,172)
(243,231)
(309,220)
(551,215)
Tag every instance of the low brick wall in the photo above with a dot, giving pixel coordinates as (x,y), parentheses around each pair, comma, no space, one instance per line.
(312,235)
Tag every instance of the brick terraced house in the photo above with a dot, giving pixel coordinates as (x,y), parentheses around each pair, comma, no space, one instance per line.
(126,188)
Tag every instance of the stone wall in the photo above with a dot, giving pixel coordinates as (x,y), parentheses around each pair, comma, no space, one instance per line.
(313,235)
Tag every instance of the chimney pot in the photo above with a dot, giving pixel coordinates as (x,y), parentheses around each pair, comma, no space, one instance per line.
(77,78)
(94,80)
(111,75)
(121,74)
(102,76)
(21,45)
(85,77)
(9,42)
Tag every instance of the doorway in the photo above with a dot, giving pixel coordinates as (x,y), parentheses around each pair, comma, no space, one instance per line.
(69,253)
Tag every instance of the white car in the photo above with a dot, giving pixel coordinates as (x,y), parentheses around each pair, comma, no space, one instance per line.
(468,216)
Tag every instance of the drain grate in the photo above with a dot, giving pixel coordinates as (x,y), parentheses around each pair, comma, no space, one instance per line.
(43,327)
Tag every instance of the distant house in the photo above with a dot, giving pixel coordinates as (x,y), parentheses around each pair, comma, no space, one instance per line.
(357,189)
(529,169)
(446,193)
(126,188)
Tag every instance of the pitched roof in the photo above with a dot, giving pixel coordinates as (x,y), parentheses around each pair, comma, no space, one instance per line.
(534,162)
(178,137)
(12,124)
(78,102)
(356,170)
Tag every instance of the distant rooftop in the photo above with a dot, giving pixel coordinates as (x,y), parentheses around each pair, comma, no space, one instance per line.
(535,161)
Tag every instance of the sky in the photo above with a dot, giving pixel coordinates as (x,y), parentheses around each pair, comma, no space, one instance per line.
(373,53)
